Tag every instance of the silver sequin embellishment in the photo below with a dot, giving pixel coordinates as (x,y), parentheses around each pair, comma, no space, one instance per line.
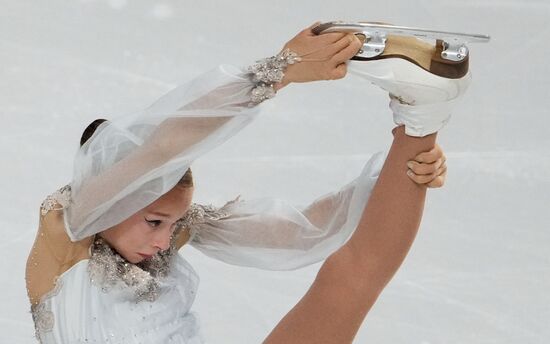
(199,213)
(42,315)
(107,268)
(56,201)
(269,71)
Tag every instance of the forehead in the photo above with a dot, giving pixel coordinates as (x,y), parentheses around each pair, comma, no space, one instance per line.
(172,204)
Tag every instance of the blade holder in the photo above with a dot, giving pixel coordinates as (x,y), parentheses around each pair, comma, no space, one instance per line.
(375,43)
(454,52)
(454,46)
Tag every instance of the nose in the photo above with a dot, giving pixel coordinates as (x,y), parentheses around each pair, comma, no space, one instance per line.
(162,240)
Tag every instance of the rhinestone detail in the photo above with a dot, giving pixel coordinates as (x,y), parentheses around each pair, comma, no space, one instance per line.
(56,201)
(266,72)
(41,314)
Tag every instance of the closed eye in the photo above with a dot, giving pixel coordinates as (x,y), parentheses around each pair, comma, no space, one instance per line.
(153,223)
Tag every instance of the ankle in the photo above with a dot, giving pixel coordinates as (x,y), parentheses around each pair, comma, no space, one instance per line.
(400,134)
(398,131)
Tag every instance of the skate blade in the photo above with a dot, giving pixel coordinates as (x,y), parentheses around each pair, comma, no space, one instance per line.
(454,48)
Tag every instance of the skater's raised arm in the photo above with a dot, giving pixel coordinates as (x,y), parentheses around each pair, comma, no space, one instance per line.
(129,162)
(273,234)
(133,160)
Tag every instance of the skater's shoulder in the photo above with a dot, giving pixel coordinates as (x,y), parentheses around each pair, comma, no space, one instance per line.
(56,201)
(52,214)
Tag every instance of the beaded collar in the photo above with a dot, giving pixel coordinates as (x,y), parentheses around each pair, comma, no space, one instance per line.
(108,269)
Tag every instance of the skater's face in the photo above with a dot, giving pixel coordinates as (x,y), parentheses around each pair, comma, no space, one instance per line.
(149,230)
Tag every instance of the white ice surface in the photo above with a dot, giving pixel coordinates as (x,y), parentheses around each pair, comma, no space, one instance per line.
(479,271)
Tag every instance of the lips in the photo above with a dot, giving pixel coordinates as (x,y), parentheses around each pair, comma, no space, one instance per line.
(145,256)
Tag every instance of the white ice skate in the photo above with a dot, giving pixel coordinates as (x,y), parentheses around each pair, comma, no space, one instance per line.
(424,79)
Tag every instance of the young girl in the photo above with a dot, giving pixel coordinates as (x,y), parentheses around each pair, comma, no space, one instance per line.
(104,267)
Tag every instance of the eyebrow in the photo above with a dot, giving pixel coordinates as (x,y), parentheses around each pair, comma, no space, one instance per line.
(159,213)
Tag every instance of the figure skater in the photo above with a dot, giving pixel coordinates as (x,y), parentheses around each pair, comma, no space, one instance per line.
(105,268)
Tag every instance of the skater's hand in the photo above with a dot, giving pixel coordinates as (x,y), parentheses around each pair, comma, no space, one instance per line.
(323,56)
(429,168)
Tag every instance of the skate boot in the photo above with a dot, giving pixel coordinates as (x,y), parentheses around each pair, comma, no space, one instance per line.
(424,80)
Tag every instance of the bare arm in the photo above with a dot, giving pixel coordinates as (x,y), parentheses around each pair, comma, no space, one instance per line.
(351,279)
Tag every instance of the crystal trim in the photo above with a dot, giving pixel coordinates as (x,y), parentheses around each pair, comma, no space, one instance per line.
(266,72)
(56,201)
(107,268)
(43,317)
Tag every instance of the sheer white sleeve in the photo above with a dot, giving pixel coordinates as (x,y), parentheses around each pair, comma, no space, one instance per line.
(132,160)
(272,234)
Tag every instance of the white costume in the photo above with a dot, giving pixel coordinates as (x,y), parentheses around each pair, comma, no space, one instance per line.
(130,162)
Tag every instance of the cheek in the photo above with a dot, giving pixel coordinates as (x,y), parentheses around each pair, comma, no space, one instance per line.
(136,236)
(128,239)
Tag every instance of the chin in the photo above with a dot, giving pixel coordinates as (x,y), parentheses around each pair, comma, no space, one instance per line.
(137,260)
(134,259)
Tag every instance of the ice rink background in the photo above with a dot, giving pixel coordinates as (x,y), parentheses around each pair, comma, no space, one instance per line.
(479,271)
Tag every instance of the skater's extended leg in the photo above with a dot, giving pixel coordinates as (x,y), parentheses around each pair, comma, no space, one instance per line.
(392,216)
(351,279)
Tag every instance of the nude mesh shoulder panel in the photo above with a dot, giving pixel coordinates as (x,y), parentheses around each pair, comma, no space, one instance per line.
(52,252)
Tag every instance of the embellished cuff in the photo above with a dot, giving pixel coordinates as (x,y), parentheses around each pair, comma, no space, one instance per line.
(267,72)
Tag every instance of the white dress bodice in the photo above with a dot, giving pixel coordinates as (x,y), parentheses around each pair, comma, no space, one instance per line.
(78,310)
